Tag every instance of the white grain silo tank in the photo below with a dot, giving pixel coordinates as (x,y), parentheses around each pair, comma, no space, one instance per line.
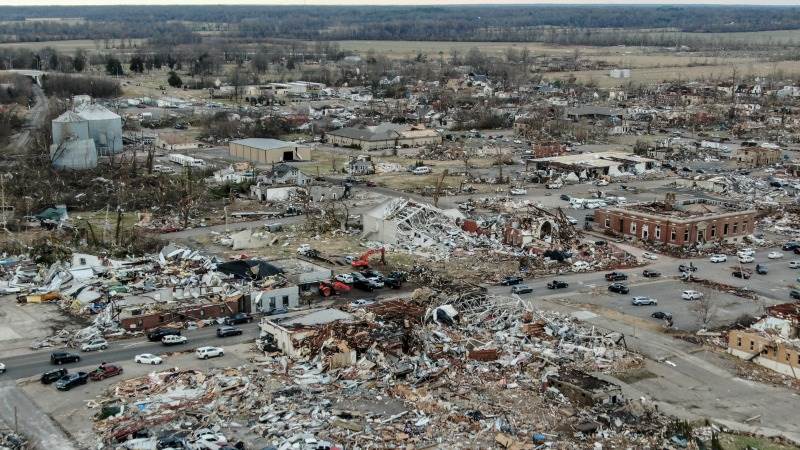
(105,127)
(69,126)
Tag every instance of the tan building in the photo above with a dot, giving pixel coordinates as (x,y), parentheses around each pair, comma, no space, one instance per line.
(269,151)
(385,135)
(757,156)
(772,342)
(176,141)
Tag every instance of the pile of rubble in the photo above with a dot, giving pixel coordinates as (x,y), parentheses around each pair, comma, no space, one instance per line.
(12,441)
(435,370)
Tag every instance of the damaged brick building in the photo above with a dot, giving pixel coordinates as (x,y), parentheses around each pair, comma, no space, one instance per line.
(678,224)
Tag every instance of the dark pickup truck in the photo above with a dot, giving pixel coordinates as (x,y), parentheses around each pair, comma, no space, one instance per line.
(616,276)
(158,333)
(239,318)
(72,380)
(63,358)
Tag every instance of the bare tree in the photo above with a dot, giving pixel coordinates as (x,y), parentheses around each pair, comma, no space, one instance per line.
(705,307)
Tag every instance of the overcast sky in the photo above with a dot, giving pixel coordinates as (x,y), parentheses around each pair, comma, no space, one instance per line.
(384,2)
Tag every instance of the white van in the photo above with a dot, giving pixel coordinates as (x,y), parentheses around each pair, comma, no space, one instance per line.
(421,170)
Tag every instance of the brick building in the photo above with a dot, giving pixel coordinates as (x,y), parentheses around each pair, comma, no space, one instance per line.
(679,224)
(772,342)
(145,318)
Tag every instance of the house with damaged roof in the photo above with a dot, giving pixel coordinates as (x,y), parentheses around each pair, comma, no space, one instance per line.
(385,135)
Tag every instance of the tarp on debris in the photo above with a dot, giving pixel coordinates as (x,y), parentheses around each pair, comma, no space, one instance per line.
(248,269)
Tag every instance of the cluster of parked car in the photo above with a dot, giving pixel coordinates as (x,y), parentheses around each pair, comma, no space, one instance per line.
(65,380)
(369,280)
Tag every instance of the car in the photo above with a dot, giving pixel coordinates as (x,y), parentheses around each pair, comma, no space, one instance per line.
(601,183)
(775,255)
(557,284)
(518,191)
(2,368)
(661,315)
(376,281)
(761,269)
(228,331)
(510,281)
(687,268)
(746,252)
(580,266)
(616,276)
(790,246)
(64,357)
(365,284)
(794,264)
(741,274)
(156,334)
(147,358)
(572,220)
(52,376)
(238,318)
(173,339)
(641,301)
(565,197)
(94,345)
(105,371)
(647,273)
(619,288)
(795,294)
(718,258)
(393,282)
(345,278)
(744,259)
(209,352)
(276,311)
(72,380)
(521,289)
(361,302)
(691,295)
(648,255)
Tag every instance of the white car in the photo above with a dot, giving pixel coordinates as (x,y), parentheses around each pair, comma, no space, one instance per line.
(344,278)
(421,170)
(2,368)
(206,439)
(642,301)
(173,339)
(572,220)
(794,264)
(360,303)
(580,266)
(601,183)
(691,295)
(647,255)
(747,252)
(209,352)
(775,255)
(518,191)
(147,358)
(718,258)
(94,345)
(745,259)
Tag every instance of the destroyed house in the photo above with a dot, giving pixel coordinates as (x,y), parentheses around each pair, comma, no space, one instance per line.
(594,165)
(385,135)
(145,317)
(284,174)
(288,333)
(592,112)
(685,224)
(773,341)
(584,389)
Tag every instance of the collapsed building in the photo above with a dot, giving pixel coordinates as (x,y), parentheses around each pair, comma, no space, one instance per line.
(773,341)
(588,166)
(684,224)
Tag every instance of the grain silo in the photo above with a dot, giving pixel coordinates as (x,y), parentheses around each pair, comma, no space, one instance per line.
(74,154)
(105,127)
(69,126)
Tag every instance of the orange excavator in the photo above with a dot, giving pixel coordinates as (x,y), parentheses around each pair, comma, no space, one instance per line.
(332,287)
(363,261)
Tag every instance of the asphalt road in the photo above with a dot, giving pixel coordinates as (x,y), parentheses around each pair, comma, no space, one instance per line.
(32,364)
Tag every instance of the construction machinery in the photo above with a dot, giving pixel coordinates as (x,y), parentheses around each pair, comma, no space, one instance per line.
(332,287)
(363,260)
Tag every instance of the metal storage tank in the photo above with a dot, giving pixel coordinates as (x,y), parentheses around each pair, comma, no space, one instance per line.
(75,154)
(105,127)
(69,126)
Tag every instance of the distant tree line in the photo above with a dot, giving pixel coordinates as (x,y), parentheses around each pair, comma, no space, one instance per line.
(63,85)
(174,25)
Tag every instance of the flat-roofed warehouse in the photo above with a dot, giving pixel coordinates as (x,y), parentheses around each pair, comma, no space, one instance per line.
(261,150)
